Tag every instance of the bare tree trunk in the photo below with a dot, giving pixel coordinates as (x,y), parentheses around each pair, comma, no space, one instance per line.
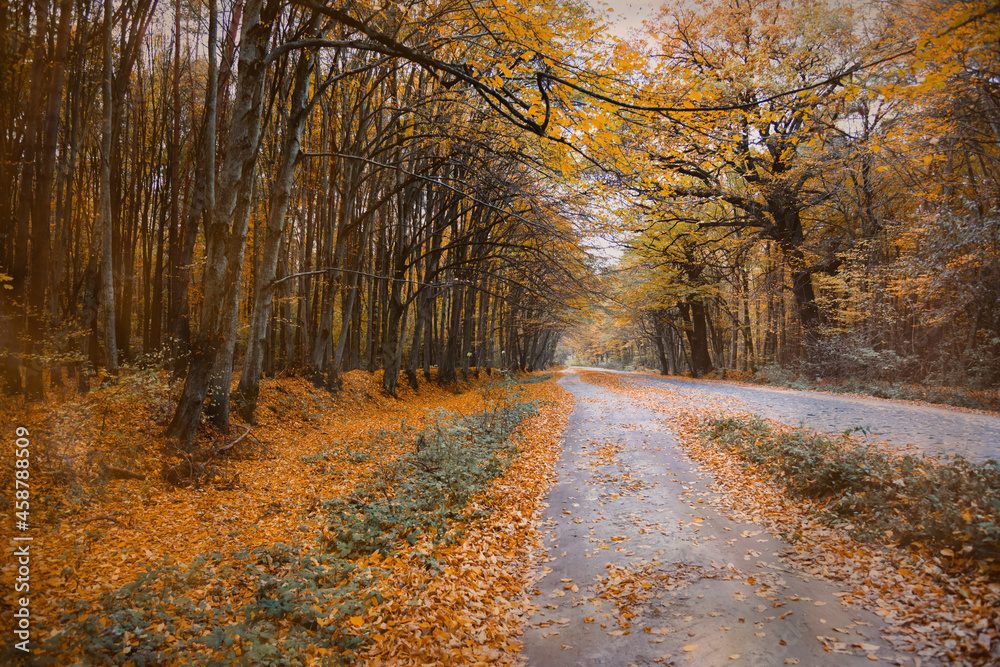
(391,337)
(42,310)
(221,379)
(203,199)
(107,287)
(425,314)
(221,245)
(693,312)
(249,387)
(660,350)
(13,246)
(668,332)
(748,352)
(468,328)
(176,234)
(482,332)
(26,297)
(423,304)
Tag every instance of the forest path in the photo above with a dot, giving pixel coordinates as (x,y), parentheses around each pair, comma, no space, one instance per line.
(925,428)
(642,569)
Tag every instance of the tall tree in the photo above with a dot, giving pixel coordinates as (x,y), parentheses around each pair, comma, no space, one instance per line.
(225,235)
(753,165)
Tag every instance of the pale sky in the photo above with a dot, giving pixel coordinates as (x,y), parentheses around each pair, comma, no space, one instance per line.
(628,13)
(631,13)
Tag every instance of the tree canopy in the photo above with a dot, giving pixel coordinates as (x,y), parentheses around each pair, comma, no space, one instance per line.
(240,188)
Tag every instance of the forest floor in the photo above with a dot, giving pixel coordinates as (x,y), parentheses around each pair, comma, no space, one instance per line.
(263,562)
(662,549)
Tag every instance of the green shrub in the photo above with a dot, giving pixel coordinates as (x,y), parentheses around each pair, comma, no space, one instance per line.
(426,490)
(775,375)
(535,378)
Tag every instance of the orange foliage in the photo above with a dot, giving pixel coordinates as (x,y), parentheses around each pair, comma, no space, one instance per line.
(93,538)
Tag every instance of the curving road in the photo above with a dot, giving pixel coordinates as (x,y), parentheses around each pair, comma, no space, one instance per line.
(928,429)
(639,565)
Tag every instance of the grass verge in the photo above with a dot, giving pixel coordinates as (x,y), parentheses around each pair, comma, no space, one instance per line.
(951,505)
(282,606)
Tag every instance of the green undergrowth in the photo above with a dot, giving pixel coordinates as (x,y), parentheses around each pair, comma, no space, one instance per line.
(427,489)
(222,609)
(279,605)
(879,496)
(534,379)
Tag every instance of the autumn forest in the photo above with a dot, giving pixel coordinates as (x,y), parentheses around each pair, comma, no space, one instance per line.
(272,185)
(219,218)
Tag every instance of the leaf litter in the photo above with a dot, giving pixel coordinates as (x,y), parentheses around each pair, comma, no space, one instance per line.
(195,575)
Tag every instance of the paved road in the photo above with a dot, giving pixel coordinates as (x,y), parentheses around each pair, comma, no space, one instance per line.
(930,429)
(642,569)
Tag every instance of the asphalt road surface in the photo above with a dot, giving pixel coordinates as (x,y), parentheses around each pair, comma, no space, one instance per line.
(642,570)
(928,429)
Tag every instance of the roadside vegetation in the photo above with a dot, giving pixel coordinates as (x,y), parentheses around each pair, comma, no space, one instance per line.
(951,505)
(338,528)
(955,396)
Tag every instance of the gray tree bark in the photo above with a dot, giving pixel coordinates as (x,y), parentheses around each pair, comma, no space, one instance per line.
(106,289)
(249,387)
(223,244)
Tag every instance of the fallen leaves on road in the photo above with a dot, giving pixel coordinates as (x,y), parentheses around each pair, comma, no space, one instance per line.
(933,611)
(633,585)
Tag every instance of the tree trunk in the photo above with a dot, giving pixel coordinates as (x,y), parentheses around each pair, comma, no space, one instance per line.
(221,245)
(38,323)
(26,297)
(221,378)
(106,289)
(805,300)
(390,340)
(693,312)
(468,328)
(748,352)
(660,351)
(249,387)
(203,197)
